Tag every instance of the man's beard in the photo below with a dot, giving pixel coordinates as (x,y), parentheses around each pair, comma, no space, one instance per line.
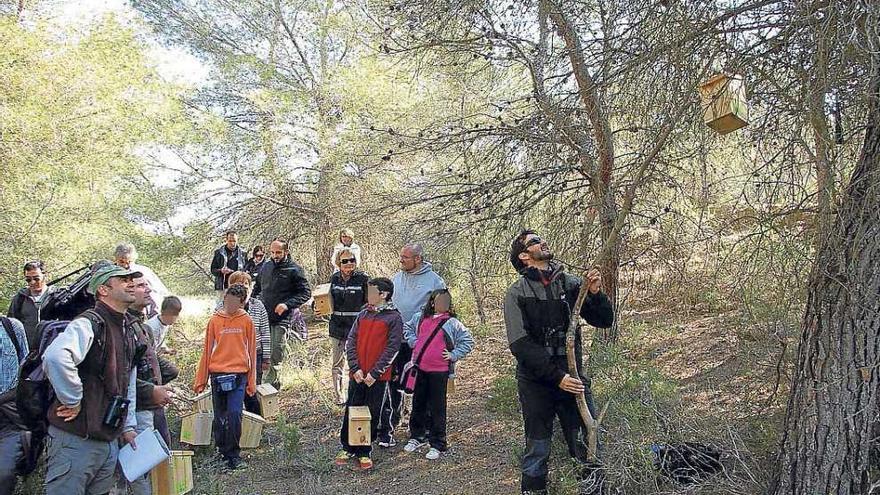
(542,255)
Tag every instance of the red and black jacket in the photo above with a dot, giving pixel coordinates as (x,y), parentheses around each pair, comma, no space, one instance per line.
(373,342)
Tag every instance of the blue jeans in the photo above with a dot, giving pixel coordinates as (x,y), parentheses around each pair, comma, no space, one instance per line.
(227,415)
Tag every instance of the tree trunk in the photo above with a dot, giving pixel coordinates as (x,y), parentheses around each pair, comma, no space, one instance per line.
(833,403)
(609,265)
(326,234)
(600,125)
(476,288)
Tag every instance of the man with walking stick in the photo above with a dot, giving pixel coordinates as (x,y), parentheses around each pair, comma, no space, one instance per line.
(537,311)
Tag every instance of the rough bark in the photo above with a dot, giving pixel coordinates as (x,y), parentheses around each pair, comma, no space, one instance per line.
(833,402)
(601,180)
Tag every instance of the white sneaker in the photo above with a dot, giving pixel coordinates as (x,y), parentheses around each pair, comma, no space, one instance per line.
(413,445)
(432,454)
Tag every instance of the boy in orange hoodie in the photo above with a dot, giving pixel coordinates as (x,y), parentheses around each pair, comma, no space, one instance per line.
(229,358)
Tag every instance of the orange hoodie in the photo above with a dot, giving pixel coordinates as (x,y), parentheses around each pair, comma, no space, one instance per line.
(230,347)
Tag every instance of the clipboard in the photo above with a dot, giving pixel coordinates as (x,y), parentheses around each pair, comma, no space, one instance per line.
(151,451)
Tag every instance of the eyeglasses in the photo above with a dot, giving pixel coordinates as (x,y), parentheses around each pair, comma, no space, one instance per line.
(258,255)
(33,279)
(347,261)
(533,241)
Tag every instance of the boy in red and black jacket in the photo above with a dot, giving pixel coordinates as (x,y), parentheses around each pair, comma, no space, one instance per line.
(371,347)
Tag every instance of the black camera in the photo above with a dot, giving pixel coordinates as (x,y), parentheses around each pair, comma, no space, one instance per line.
(116,411)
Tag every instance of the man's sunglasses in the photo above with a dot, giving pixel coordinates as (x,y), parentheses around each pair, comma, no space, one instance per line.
(534,240)
(347,261)
(33,279)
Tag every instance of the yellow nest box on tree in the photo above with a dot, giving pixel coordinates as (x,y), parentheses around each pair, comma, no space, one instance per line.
(725,108)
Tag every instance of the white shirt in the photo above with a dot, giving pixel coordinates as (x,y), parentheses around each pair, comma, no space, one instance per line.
(160,331)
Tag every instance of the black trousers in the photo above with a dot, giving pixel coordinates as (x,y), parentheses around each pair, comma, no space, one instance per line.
(376,398)
(395,406)
(251,403)
(542,403)
(429,409)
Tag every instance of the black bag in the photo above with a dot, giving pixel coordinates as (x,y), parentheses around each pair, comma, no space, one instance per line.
(411,369)
(687,463)
(35,393)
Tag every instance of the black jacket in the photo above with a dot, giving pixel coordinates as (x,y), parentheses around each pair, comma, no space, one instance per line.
(221,259)
(536,316)
(253,268)
(349,298)
(23,309)
(282,282)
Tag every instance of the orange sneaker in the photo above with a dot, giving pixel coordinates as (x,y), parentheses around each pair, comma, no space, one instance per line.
(365,463)
(342,458)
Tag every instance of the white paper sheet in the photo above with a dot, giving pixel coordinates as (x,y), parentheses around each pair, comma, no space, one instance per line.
(151,451)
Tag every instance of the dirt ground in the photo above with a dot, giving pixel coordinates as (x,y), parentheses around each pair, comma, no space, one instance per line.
(713,384)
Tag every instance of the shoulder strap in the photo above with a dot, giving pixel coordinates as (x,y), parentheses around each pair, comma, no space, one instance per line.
(98,329)
(7,325)
(437,330)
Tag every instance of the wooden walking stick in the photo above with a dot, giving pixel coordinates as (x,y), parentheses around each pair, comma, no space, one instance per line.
(590,423)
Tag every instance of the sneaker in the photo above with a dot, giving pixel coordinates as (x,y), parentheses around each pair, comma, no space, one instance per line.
(365,462)
(413,445)
(433,454)
(387,443)
(342,458)
(237,463)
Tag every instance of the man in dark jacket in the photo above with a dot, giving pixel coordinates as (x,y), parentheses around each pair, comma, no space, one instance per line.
(28,303)
(228,258)
(537,309)
(283,288)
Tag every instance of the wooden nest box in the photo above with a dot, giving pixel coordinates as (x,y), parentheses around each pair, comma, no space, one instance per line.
(725,108)
(173,476)
(268,397)
(251,430)
(195,428)
(323,300)
(359,425)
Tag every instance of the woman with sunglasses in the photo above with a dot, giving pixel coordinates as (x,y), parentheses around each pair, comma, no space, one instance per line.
(348,288)
(253,265)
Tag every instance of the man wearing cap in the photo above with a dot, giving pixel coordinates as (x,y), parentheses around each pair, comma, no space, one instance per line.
(91,368)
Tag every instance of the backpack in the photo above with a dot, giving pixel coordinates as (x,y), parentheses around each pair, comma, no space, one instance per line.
(34,393)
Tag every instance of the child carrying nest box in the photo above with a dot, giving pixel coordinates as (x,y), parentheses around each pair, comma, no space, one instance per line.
(370,349)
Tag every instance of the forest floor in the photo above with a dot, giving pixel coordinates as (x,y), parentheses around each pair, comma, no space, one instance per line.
(705,378)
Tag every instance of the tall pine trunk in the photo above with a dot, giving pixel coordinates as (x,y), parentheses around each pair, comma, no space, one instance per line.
(834,395)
